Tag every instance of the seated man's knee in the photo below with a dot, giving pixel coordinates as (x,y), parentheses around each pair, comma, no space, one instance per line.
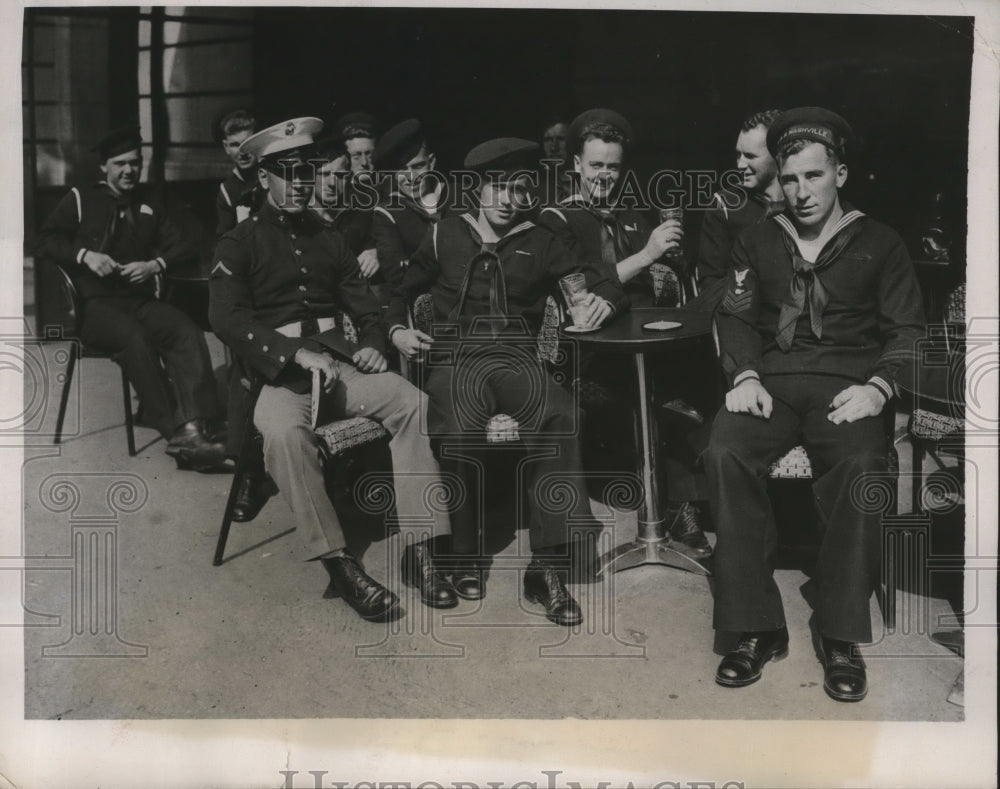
(282,425)
(727,445)
(410,400)
(865,462)
(137,344)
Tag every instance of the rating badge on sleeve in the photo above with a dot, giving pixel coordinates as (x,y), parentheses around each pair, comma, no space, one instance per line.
(739,296)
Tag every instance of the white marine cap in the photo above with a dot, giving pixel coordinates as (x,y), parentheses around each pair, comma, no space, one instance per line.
(283,138)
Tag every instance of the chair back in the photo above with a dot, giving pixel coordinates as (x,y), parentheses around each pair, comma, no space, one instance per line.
(71,298)
(670,288)
(350,330)
(954,307)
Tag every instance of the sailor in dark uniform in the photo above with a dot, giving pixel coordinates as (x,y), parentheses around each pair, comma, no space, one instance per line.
(239,194)
(114,240)
(556,172)
(277,281)
(415,200)
(821,309)
(358,132)
(594,227)
(489,274)
(736,207)
(342,208)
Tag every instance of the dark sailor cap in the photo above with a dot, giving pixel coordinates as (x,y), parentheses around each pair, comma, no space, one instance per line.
(119,141)
(398,145)
(811,123)
(506,155)
(592,120)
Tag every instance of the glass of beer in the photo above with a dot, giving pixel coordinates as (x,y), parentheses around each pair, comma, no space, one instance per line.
(675,216)
(574,290)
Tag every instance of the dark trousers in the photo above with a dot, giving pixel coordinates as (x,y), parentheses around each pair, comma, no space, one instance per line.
(488,379)
(141,332)
(740,450)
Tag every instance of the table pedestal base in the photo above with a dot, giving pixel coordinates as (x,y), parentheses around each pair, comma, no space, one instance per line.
(652,544)
(640,551)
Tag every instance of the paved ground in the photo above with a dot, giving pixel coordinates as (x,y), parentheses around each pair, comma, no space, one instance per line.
(256,637)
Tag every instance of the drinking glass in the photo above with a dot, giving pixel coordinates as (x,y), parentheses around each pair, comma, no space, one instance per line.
(574,290)
(675,215)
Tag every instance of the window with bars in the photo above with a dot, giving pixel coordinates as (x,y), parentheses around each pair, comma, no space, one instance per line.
(194,65)
(175,69)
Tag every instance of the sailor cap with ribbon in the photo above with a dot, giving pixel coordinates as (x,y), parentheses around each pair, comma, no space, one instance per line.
(817,124)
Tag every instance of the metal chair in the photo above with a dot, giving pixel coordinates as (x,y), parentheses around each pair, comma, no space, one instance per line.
(74,306)
(933,431)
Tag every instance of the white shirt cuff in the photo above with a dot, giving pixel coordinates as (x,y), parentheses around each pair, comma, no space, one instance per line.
(882,385)
(744,376)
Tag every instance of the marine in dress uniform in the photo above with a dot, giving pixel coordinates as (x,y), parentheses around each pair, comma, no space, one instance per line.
(594,227)
(114,240)
(821,309)
(276,283)
(414,202)
(239,194)
(489,275)
(739,206)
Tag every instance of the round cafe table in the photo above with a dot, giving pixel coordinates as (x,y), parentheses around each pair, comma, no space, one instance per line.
(626,335)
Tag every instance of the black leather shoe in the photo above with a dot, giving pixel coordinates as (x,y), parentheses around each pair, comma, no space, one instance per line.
(546,585)
(469,583)
(682,411)
(685,532)
(217,430)
(254,491)
(844,676)
(364,594)
(417,570)
(744,664)
(191,448)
